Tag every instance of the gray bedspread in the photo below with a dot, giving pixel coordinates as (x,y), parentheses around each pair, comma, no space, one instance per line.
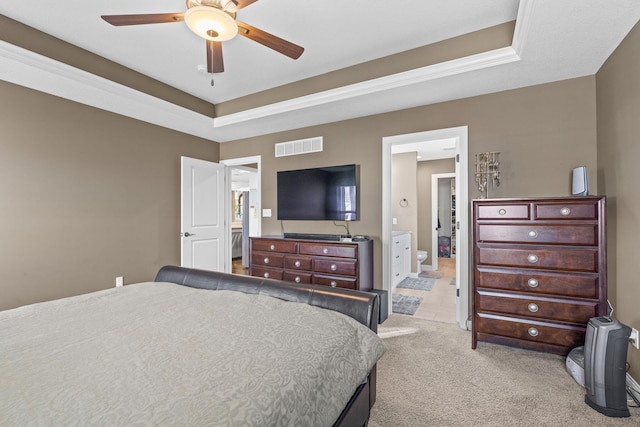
(165,354)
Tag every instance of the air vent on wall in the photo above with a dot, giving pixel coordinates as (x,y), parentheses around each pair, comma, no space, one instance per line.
(301,146)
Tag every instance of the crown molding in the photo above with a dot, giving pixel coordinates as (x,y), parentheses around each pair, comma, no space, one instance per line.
(25,68)
(420,75)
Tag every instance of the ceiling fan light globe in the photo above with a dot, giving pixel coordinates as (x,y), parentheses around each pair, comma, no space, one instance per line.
(211,23)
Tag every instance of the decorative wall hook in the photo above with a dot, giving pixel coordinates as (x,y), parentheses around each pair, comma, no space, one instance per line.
(487,171)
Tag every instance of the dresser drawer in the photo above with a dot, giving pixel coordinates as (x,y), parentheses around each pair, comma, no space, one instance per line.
(503,211)
(266,272)
(267,259)
(572,210)
(340,282)
(342,267)
(585,235)
(580,285)
(543,258)
(297,276)
(564,310)
(275,245)
(568,336)
(297,263)
(342,251)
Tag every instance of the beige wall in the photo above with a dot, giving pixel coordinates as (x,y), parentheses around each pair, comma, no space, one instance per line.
(618,103)
(404,167)
(425,229)
(86,195)
(542,132)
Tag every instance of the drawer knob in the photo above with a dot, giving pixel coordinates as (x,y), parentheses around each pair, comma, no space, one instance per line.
(533,283)
(297,264)
(272,247)
(502,211)
(266,275)
(334,284)
(266,260)
(334,267)
(533,307)
(325,251)
(533,234)
(565,211)
(297,279)
(533,332)
(532,258)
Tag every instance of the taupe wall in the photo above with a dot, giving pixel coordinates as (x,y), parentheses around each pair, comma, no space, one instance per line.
(618,106)
(404,167)
(425,230)
(86,196)
(542,132)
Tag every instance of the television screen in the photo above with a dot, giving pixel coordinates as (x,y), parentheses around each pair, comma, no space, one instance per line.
(328,193)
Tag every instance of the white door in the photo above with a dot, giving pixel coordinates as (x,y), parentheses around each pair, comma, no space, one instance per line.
(202,218)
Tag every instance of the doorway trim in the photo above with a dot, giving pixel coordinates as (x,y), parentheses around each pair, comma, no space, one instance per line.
(435,214)
(241,161)
(460,134)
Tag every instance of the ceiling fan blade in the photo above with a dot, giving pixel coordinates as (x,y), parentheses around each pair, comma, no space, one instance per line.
(236,5)
(289,49)
(147,18)
(215,63)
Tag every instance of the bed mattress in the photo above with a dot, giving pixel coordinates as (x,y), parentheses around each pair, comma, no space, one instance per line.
(165,354)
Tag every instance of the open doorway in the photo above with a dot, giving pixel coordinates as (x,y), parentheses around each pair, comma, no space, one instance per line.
(243,188)
(391,144)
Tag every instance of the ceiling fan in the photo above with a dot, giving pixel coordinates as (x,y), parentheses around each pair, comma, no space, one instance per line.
(215,21)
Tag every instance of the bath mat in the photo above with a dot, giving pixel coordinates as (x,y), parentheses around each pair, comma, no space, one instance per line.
(430,274)
(405,304)
(419,283)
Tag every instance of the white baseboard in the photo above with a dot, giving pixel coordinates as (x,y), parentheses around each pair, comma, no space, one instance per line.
(634,386)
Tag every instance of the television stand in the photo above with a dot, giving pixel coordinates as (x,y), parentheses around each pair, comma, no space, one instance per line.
(311,236)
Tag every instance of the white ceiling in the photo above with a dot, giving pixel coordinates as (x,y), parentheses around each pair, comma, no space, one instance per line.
(554,40)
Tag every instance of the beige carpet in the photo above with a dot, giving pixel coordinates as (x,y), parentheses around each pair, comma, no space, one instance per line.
(432,377)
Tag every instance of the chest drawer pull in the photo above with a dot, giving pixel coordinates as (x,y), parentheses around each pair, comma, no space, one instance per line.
(532,258)
(533,332)
(502,211)
(325,251)
(297,279)
(272,247)
(533,234)
(266,260)
(266,275)
(533,307)
(533,283)
(565,211)
(297,264)
(334,284)
(334,267)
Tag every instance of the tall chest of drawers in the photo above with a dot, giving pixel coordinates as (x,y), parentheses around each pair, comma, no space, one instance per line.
(539,270)
(336,264)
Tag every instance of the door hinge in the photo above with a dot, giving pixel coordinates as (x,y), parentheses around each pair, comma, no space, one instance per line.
(457,225)
(458,292)
(457,158)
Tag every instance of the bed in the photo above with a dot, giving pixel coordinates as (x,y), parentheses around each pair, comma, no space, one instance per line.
(195,348)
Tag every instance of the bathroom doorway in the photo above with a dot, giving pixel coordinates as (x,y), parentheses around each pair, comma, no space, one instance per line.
(392,144)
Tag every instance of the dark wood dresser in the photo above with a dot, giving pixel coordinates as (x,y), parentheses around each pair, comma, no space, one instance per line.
(336,264)
(540,271)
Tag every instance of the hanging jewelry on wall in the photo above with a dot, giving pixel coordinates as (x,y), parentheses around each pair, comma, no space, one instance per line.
(487,171)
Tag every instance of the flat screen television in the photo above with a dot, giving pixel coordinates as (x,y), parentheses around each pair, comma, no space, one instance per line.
(326,193)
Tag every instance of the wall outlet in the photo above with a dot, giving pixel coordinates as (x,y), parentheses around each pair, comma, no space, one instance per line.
(119,281)
(266,213)
(633,338)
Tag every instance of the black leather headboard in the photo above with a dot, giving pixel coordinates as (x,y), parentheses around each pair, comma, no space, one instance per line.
(362,306)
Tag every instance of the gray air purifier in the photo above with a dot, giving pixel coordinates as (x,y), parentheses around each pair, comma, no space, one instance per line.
(605,358)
